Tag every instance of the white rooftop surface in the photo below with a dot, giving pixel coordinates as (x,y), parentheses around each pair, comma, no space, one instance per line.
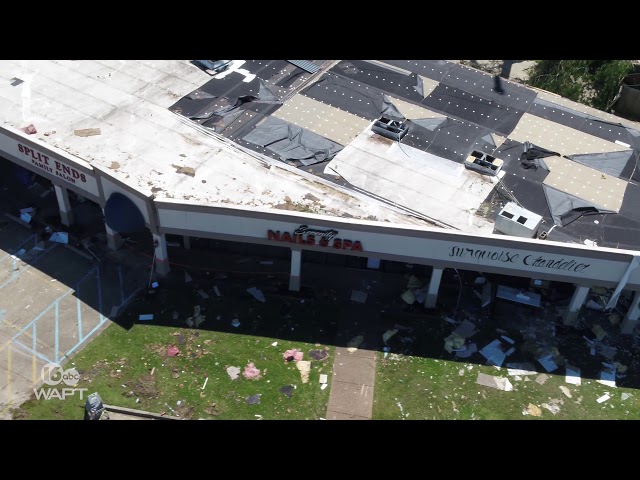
(330,122)
(560,138)
(142,142)
(592,185)
(434,186)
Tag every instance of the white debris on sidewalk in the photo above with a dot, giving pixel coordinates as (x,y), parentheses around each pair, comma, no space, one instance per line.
(304,366)
(565,390)
(522,369)
(608,378)
(543,377)
(465,330)
(388,334)
(257,294)
(59,237)
(233,372)
(358,296)
(494,353)
(501,383)
(548,363)
(572,375)
(553,408)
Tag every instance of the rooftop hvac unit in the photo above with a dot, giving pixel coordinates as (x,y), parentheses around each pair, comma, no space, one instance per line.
(387,127)
(517,221)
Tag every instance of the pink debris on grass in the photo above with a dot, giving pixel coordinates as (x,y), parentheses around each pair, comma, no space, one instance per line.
(251,372)
(294,354)
(172,351)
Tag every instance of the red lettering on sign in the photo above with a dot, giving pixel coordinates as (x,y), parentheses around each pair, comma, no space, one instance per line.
(306,236)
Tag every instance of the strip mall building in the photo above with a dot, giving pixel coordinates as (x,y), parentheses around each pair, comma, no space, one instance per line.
(184,179)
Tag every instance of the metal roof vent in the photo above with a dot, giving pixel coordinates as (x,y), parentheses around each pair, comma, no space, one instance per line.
(305,65)
(517,221)
(387,127)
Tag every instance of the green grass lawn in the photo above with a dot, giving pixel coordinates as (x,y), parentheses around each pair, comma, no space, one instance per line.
(428,388)
(423,381)
(119,364)
(130,366)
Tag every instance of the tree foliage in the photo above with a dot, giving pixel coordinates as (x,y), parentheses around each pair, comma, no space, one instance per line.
(590,82)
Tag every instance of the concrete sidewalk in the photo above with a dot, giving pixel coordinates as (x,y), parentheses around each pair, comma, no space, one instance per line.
(351,396)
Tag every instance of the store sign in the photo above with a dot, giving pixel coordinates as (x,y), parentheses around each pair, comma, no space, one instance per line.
(507,257)
(311,236)
(54,167)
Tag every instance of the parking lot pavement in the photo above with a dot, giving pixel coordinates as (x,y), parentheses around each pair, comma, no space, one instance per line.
(53,301)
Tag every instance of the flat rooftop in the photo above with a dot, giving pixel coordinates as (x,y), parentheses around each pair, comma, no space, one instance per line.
(144,144)
(269,134)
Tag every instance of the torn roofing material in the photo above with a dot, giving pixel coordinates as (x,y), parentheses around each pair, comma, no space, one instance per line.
(533,155)
(611,163)
(354,89)
(430,124)
(291,142)
(566,208)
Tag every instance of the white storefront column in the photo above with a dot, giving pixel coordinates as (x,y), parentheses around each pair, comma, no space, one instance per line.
(296,264)
(66,215)
(186,241)
(633,314)
(579,296)
(162,257)
(114,240)
(434,285)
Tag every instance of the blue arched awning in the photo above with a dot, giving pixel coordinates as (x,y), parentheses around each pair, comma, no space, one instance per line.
(122,215)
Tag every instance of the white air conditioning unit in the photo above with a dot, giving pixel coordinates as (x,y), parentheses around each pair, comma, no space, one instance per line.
(517,221)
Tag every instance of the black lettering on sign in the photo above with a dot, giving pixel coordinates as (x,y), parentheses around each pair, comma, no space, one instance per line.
(505,256)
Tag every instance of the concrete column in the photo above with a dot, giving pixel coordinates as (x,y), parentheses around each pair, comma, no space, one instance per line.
(579,296)
(66,215)
(186,240)
(434,285)
(633,314)
(114,240)
(162,257)
(296,263)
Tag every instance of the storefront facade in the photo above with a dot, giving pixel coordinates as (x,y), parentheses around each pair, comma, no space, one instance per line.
(581,265)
